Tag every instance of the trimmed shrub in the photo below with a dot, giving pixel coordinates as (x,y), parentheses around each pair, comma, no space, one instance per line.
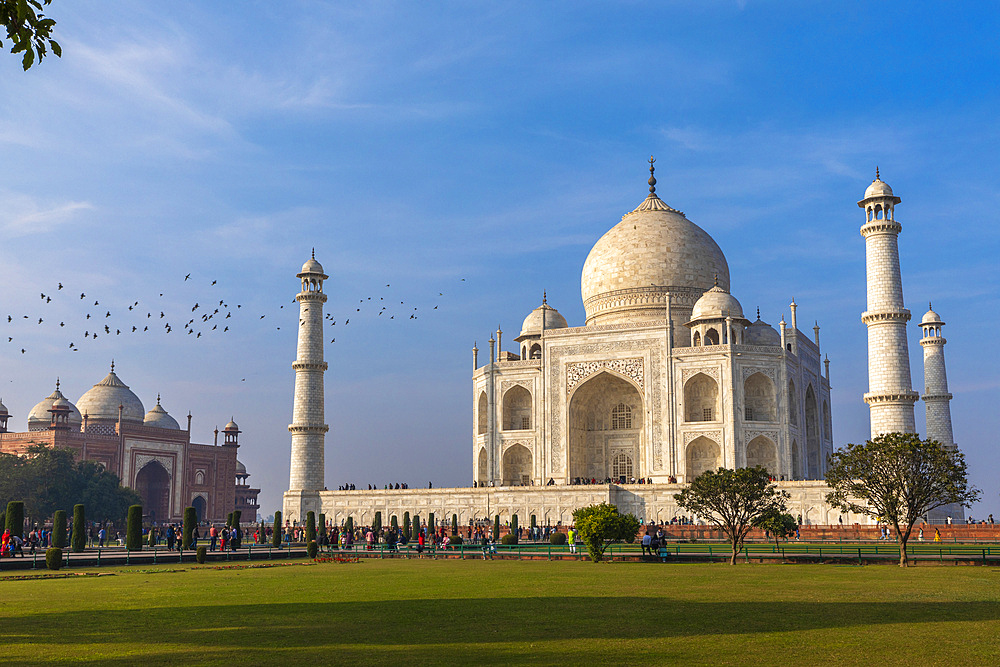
(229,519)
(406,526)
(79,529)
(14,518)
(431,526)
(312,548)
(349,527)
(190,521)
(53,558)
(455,540)
(509,538)
(199,554)
(496,528)
(59,529)
(276,537)
(557,538)
(310,527)
(454,524)
(416,526)
(513,528)
(133,529)
(322,524)
(377,525)
(237,517)
(394,522)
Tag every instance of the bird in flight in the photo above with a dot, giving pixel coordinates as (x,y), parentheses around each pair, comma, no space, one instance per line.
(187,276)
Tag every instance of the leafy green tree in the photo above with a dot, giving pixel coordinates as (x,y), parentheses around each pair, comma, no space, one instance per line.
(29,31)
(778,524)
(59,529)
(406,526)
(276,536)
(133,529)
(454,524)
(187,532)
(14,518)
(733,500)
(513,527)
(431,525)
(79,528)
(896,478)
(496,528)
(322,522)
(601,526)
(310,526)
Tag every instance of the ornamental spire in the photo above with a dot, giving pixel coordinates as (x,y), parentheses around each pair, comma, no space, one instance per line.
(652,179)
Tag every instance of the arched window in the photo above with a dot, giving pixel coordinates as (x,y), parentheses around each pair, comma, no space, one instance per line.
(701,395)
(696,340)
(199,477)
(536,351)
(482,460)
(711,337)
(793,405)
(482,416)
(827,422)
(621,417)
(516,409)
(759,398)
(622,466)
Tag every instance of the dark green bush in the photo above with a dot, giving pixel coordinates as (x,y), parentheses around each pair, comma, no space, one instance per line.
(53,558)
(513,528)
(133,529)
(394,522)
(509,538)
(276,537)
(14,518)
(406,526)
(431,526)
(377,525)
(200,552)
(455,539)
(310,527)
(557,538)
(79,528)
(322,524)
(59,529)
(190,521)
(229,519)
(312,548)
(496,528)
(237,517)
(349,527)
(454,524)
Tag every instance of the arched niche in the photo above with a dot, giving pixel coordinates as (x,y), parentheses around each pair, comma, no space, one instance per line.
(796,461)
(482,414)
(827,422)
(813,462)
(760,401)
(482,462)
(153,484)
(515,468)
(761,451)
(793,404)
(701,399)
(606,419)
(702,454)
(200,507)
(516,409)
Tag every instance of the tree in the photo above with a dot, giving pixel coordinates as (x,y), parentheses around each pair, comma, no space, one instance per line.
(310,526)
(79,528)
(733,500)
(28,30)
(14,518)
(601,526)
(513,527)
(779,525)
(276,534)
(187,532)
(496,528)
(59,529)
(897,478)
(133,529)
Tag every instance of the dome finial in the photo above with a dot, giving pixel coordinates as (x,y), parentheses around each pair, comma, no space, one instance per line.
(877,177)
(57,383)
(758,312)
(930,306)
(157,398)
(544,298)
(314,252)
(716,278)
(652,179)
(112,365)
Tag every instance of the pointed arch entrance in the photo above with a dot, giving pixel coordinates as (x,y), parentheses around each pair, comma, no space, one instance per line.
(153,484)
(606,420)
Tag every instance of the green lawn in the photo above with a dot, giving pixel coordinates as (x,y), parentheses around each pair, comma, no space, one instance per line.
(427,611)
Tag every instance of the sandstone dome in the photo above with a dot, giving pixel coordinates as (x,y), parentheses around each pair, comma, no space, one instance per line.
(159,418)
(241,470)
(544,317)
(653,251)
(716,303)
(103,399)
(41,418)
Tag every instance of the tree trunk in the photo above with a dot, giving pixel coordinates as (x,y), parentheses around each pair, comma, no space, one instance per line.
(736,551)
(904,561)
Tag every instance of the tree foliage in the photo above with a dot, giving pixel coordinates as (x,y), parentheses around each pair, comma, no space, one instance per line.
(276,535)
(602,525)
(14,518)
(733,500)
(187,531)
(48,479)
(28,30)
(897,478)
(79,528)
(133,529)
(780,525)
(59,529)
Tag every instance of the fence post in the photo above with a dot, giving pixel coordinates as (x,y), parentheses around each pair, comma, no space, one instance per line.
(127,551)
(859,556)
(98,556)
(67,558)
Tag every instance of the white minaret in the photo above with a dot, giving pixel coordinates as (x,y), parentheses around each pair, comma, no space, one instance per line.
(937,400)
(890,395)
(308,427)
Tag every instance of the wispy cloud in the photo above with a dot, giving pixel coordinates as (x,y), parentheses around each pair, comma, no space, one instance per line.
(21,215)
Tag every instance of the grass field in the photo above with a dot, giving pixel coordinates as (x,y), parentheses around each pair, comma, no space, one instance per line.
(429,611)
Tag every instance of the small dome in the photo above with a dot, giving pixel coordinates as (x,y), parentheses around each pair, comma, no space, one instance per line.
(61,403)
(231,426)
(878,188)
(40,417)
(762,333)
(3,409)
(159,418)
(103,399)
(930,317)
(716,303)
(241,470)
(543,317)
(312,266)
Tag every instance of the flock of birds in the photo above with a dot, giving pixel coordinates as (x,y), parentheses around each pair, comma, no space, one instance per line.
(206,317)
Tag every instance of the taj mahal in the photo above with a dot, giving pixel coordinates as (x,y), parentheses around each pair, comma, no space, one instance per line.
(667,377)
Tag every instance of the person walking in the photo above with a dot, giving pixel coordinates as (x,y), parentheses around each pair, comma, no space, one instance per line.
(571,538)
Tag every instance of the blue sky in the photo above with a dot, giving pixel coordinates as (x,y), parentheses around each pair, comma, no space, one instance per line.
(419,144)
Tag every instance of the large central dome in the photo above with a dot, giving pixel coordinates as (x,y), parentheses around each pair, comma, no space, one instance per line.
(653,251)
(102,400)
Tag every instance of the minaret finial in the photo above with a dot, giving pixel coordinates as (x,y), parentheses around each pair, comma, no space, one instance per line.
(57,383)
(877,177)
(652,179)
(157,398)
(716,278)
(930,306)
(758,312)
(314,253)
(112,365)
(544,298)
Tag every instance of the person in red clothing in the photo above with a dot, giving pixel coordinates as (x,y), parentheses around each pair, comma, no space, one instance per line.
(420,542)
